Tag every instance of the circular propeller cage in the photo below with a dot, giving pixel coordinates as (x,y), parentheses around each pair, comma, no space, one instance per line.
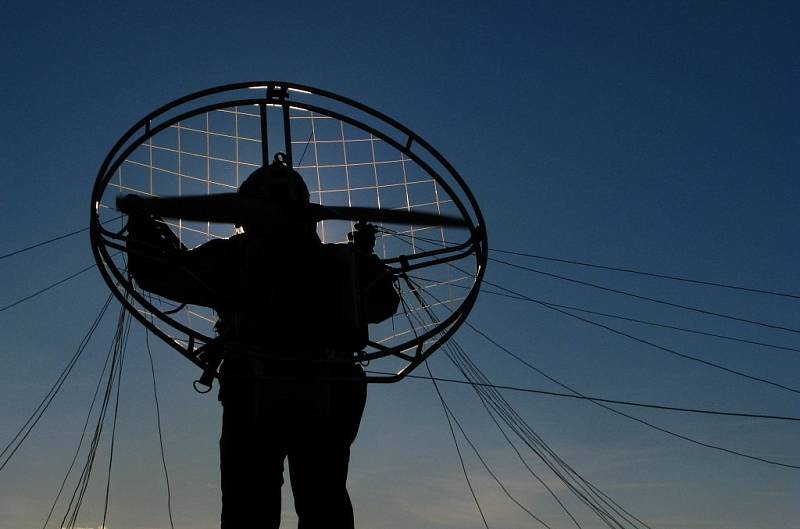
(349,155)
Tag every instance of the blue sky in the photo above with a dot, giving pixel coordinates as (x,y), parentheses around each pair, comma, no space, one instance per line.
(662,137)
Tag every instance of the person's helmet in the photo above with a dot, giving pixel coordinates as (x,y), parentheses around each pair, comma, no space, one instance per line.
(278,183)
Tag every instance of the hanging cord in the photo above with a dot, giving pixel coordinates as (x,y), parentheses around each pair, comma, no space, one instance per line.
(486,467)
(649,298)
(48,287)
(630,336)
(718,284)
(650,274)
(158,417)
(538,446)
(448,415)
(613,410)
(458,450)
(660,429)
(117,348)
(158,422)
(80,441)
(37,414)
(613,290)
(607,401)
(521,297)
(591,496)
(654,345)
(54,239)
(114,421)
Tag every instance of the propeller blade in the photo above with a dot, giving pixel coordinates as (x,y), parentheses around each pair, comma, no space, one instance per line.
(224,208)
(388,216)
(233,208)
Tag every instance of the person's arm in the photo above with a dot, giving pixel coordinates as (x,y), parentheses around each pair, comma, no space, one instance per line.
(160,264)
(380,297)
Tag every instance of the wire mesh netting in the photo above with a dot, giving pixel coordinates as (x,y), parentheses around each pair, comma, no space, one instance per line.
(344,162)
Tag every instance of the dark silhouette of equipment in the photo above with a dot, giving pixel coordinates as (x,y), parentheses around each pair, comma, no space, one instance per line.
(426,216)
(293,312)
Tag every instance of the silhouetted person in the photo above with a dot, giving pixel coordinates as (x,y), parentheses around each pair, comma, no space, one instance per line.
(279,293)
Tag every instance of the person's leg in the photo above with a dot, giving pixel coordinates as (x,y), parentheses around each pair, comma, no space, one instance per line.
(347,401)
(319,455)
(251,464)
(318,475)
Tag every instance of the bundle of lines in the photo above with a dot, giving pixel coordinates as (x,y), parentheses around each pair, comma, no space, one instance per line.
(111,376)
(506,418)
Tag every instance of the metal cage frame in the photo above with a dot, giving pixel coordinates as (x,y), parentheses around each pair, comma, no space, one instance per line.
(279,94)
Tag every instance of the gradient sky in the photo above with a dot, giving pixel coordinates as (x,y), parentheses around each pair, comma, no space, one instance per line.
(657,136)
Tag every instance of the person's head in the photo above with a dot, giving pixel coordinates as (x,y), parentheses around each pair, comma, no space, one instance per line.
(278,183)
(281,186)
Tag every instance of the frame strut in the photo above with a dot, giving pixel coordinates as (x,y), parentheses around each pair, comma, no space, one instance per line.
(287,133)
(262,109)
(278,95)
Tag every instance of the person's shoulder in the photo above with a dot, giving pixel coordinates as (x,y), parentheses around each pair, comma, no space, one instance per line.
(218,246)
(222,242)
